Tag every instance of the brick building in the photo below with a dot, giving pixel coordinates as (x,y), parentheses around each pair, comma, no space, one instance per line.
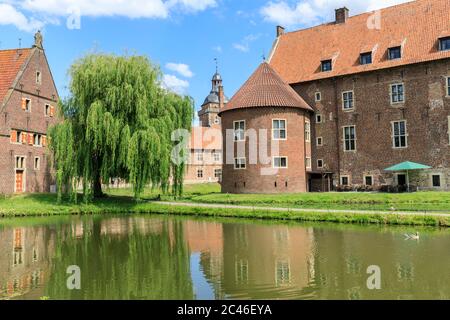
(379,85)
(205,145)
(28,97)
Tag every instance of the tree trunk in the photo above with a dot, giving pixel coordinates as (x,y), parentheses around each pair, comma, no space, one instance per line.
(97,183)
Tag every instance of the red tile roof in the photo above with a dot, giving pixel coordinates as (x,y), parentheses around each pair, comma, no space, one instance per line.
(416,25)
(265,88)
(11,61)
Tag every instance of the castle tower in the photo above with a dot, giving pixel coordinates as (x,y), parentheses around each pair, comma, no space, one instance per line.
(214,102)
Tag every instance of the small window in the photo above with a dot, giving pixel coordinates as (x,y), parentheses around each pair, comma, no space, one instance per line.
(319,141)
(279,129)
(280,162)
(308,163)
(216,120)
(368,180)
(397,93)
(399,134)
(349,138)
(20,162)
(347,100)
(218,173)
(239,163)
(216,156)
(318,97)
(37,163)
(38,77)
(444,44)
(345,181)
(47,110)
(199,173)
(327,65)
(366,58)
(395,53)
(26,105)
(199,156)
(307,131)
(318,118)
(436,181)
(320,163)
(37,140)
(239,130)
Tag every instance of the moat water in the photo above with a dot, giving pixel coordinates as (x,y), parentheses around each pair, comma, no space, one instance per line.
(158,257)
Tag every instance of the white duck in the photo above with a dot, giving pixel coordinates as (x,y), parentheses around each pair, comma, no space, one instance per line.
(412,236)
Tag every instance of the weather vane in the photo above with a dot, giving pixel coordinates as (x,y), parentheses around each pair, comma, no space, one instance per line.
(217,64)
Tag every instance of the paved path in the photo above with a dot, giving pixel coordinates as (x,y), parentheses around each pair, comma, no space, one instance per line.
(225,206)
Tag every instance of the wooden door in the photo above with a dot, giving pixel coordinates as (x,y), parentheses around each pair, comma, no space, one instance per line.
(19,181)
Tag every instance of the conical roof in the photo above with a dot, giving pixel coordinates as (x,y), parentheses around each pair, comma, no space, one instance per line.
(265,88)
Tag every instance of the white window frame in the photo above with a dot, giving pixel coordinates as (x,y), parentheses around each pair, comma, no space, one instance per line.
(240,159)
(319,115)
(219,175)
(352,100)
(344,140)
(199,157)
(448,126)
(202,174)
(323,163)
(308,163)
(235,131)
(440,180)
(391,93)
(317,141)
(318,94)
(24,163)
(217,156)
(447,87)
(371,177)
(39,140)
(307,131)
(394,136)
(38,167)
(280,167)
(279,130)
(348,180)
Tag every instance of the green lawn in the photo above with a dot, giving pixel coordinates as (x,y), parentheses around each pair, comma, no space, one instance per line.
(119,201)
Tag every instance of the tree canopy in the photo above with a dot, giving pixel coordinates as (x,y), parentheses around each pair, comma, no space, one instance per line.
(117,123)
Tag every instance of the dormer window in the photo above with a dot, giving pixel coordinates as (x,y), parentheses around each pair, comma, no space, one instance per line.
(395,53)
(327,65)
(444,44)
(366,58)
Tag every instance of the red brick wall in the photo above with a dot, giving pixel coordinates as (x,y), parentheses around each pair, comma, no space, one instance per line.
(426,109)
(12,117)
(251,180)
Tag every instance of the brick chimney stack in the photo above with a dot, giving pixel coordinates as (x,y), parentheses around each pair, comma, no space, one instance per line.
(221,98)
(280,31)
(342,15)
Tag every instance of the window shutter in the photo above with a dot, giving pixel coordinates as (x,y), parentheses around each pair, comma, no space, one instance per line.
(13,136)
(30,139)
(52,111)
(24,138)
(44,141)
(24,104)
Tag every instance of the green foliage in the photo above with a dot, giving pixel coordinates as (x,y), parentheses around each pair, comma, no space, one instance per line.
(118,124)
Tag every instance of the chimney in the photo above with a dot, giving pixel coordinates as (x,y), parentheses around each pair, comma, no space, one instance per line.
(221,98)
(342,15)
(280,31)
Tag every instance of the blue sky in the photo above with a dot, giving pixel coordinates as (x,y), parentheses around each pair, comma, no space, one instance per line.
(182,36)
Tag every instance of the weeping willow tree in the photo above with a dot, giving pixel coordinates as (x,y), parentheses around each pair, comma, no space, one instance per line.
(118,123)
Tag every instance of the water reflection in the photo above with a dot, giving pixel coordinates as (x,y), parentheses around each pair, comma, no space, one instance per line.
(175,258)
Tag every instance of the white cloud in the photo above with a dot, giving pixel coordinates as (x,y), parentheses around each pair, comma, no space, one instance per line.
(171,82)
(41,12)
(244,45)
(180,68)
(218,49)
(310,12)
(10,16)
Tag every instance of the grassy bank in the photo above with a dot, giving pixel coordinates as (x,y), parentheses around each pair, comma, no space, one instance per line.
(45,205)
